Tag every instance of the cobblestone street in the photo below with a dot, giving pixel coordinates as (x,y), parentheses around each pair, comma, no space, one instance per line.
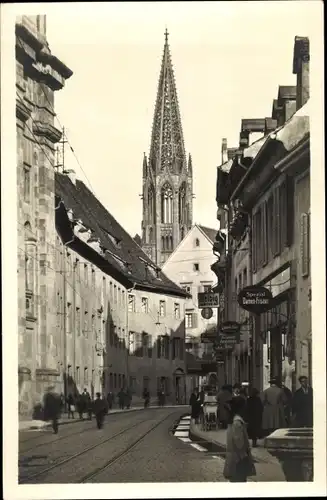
(132,447)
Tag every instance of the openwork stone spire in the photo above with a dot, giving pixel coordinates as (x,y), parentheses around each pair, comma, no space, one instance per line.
(167,149)
(167,190)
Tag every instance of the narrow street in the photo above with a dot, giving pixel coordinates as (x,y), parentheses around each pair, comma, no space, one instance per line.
(132,447)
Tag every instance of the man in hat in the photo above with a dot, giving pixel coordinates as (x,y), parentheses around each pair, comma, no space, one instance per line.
(273,400)
(52,407)
(100,408)
(302,404)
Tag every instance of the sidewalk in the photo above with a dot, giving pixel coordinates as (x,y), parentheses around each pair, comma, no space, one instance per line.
(217,438)
(29,424)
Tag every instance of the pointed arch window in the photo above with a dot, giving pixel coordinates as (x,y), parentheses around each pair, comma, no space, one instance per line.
(182,204)
(166,204)
(151,205)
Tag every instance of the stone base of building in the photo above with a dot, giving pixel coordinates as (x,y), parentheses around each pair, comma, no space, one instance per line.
(32,389)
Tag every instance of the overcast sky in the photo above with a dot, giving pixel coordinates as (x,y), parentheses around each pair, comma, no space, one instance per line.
(228,58)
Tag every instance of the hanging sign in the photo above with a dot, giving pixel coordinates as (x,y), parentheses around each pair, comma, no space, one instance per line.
(255,299)
(207,313)
(229,327)
(228,340)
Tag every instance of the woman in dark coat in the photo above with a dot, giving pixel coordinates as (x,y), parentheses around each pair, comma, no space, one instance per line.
(254,409)
(194,404)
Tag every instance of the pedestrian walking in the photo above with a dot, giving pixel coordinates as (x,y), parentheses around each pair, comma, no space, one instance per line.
(110,400)
(161,398)
(195,404)
(224,398)
(302,404)
(99,409)
(52,407)
(121,399)
(70,406)
(239,463)
(80,405)
(129,397)
(146,397)
(273,416)
(288,404)
(254,409)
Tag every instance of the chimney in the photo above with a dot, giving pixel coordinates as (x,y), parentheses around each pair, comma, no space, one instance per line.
(224,156)
(71,174)
(290,109)
(301,61)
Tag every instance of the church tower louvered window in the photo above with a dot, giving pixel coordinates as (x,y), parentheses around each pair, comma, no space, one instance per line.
(167,174)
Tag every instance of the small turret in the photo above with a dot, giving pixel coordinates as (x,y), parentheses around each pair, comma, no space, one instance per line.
(190,166)
(145,166)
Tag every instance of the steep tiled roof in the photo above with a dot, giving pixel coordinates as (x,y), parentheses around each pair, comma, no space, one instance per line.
(209,232)
(113,237)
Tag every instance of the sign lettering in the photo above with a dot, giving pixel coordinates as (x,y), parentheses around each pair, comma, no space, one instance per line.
(208,300)
(255,299)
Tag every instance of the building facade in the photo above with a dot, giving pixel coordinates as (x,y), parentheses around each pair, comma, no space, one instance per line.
(189,266)
(125,323)
(265,191)
(38,75)
(94,311)
(167,191)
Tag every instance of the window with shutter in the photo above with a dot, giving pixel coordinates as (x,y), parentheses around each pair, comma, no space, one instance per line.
(195,320)
(145,344)
(304,245)
(167,347)
(254,242)
(283,215)
(149,338)
(271,239)
(181,348)
(264,234)
(289,211)
(138,345)
(276,223)
(159,347)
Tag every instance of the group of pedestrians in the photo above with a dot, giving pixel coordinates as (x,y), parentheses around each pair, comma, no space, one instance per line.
(254,416)
(259,415)
(53,405)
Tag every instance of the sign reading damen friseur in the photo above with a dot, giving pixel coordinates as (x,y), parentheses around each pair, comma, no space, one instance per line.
(208,300)
(255,299)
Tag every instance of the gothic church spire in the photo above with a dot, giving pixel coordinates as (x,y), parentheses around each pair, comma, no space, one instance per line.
(167,143)
(167,176)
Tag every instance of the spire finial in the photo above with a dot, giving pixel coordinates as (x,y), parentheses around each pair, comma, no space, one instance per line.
(166,35)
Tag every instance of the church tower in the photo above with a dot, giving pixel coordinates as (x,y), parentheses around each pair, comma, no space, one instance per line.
(167,173)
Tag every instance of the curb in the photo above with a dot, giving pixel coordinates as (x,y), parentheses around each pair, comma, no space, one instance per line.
(220,448)
(75,421)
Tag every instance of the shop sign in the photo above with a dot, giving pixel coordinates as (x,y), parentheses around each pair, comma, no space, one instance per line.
(255,299)
(229,327)
(208,300)
(228,340)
